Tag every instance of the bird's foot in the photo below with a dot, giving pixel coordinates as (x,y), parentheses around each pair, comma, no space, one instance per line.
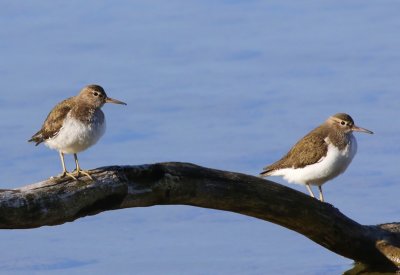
(63,174)
(84,172)
(74,175)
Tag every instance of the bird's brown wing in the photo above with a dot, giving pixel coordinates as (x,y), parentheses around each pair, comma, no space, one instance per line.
(309,150)
(53,122)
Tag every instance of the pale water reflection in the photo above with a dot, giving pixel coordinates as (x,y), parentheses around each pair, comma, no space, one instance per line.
(224,84)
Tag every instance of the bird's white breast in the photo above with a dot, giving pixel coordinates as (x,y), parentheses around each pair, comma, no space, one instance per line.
(75,136)
(333,164)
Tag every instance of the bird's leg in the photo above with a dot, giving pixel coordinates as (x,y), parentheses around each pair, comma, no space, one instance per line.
(321,196)
(65,172)
(79,170)
(309,190)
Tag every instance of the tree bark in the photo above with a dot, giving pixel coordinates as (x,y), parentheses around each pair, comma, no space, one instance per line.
(56,201)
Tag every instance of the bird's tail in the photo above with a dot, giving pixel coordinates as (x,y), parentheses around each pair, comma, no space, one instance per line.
(265,173)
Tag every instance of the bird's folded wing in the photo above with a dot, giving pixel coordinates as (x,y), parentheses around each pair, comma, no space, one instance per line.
(54,121)
(309,150)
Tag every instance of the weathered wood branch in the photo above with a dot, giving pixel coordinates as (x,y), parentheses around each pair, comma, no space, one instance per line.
(56,201)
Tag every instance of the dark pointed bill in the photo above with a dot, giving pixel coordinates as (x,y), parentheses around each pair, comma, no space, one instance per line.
(363,130)
(115,101)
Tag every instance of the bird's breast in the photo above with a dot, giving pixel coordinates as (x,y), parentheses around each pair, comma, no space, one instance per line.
(77,135)
(336,160)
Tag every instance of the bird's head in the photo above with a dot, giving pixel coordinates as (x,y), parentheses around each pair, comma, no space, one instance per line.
(344,123)
(96,96)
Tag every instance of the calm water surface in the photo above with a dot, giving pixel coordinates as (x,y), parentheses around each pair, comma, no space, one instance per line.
(228,84)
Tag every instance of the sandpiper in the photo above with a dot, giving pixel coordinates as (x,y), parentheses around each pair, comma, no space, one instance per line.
(74,125)
(321,155)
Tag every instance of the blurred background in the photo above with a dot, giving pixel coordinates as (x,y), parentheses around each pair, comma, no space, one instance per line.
(227,84)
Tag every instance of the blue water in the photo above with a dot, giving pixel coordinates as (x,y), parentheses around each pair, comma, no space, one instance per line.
(229,84)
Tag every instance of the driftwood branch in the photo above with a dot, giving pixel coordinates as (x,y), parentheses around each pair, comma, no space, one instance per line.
(57,201)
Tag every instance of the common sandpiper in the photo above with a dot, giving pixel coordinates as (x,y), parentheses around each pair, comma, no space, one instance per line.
(321,155)
(74,125)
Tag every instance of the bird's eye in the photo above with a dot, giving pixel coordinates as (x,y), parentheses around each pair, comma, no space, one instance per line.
(96,94)
(342,122)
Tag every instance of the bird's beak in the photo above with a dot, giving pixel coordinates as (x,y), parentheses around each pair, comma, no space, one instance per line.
(115,101)
(359,129)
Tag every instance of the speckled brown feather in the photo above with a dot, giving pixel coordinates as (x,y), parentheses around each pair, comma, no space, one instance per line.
(84,112)
(54,121)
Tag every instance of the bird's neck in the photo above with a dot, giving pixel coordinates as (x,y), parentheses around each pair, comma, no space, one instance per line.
(339,139)
(86,112)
